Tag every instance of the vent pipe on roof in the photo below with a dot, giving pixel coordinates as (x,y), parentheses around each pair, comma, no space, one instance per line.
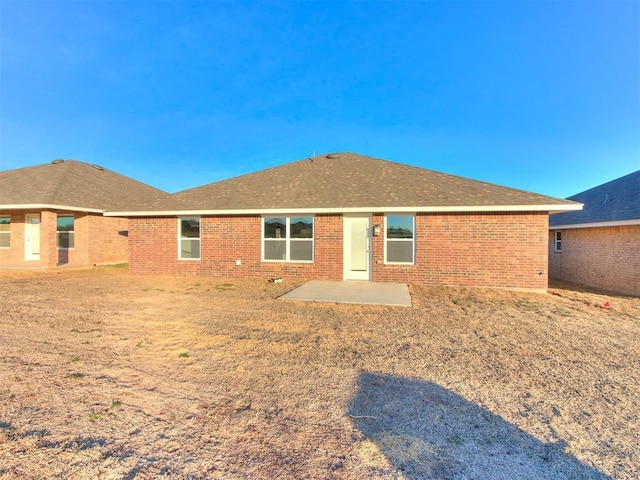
(56,161)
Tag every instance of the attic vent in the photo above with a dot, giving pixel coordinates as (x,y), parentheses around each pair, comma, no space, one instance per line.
(333,155)
(57,160)
(98,167)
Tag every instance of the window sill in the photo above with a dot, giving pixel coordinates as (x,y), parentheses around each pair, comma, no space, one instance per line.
(287,261)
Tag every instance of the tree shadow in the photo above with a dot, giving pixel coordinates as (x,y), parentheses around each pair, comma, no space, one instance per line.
(427,431)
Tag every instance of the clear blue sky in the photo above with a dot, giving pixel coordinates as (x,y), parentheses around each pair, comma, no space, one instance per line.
(542,96)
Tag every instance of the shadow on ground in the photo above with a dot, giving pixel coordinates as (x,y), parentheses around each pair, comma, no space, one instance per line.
(427,431)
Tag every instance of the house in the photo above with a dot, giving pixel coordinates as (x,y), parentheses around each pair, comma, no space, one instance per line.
(51,214)
(344,216)
(600,245)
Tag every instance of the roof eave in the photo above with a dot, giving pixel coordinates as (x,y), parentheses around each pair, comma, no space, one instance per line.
(416,209)
(48,206)
(614,223)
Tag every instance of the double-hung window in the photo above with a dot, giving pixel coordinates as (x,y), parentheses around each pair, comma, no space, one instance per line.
(287,239)
(5,232)
(189,238)
(65,232)
(399,239)
(558,241)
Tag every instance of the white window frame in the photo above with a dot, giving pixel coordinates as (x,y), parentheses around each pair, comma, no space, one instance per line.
(557,241)
(7,233)
(412,240)
(288,239)
(199,238)
(72,233)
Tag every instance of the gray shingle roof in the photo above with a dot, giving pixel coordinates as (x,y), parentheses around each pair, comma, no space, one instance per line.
(348,180)
(74,184)
(613,201)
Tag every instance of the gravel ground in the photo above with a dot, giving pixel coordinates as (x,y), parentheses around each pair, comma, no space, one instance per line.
(107,375)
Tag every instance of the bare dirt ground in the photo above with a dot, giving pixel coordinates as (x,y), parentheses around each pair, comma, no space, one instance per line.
(105,375)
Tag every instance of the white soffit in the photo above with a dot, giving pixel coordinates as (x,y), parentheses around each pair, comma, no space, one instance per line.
(293,211)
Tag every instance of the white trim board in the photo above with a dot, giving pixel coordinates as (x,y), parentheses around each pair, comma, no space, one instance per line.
(293,211)
(48,206)
(619,223)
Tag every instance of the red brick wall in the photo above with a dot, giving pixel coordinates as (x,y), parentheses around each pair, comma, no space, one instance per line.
(107,239)
(490,250)
(503,250)
(604,257)
(97,240)
(15,254)
(153,246)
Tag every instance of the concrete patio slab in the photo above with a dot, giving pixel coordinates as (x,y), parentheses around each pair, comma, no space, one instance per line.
(370,293)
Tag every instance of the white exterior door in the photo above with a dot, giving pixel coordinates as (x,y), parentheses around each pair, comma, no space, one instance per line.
(32,237)
(357,251)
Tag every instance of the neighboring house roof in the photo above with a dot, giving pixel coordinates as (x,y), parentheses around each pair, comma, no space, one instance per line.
(72,185)
(613,203)
(348,182)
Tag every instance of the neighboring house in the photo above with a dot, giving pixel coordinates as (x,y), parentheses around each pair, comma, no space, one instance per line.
(52,214)
(348,217)
(600,245)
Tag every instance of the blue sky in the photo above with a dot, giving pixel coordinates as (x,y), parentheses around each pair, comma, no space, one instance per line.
(542,96)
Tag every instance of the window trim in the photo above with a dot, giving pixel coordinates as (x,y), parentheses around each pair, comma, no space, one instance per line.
(7,233)
(199,238)
(288,239)
(557,241)
(71,232)
(413,240)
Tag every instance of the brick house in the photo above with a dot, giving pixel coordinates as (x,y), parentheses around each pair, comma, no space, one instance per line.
(51,214)
(600,245)
(348,217)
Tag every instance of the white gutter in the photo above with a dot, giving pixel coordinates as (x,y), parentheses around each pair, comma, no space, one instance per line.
(47,206)
(293,211)
(618,223)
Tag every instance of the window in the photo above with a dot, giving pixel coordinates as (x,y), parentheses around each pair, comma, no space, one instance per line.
(558,241)
(65,232)
(5,232)
(287,239)
(399,239)
(189,241)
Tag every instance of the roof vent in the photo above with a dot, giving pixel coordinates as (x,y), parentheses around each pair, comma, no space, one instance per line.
(57,160)
(333,155)
(98,167)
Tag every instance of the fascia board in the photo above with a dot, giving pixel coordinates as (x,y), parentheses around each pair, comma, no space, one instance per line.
(618,223)
(47,206)
(293,211)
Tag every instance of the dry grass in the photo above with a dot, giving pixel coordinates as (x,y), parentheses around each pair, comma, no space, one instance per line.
(105,375)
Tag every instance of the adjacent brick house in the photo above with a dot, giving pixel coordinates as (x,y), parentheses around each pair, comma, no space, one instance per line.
(600,246)
(51,214)
(348,217)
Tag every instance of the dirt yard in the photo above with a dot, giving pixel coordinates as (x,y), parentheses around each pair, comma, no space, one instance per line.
(105,375)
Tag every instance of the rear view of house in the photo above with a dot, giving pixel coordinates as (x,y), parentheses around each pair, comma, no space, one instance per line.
(600,245)
(348,217)
(52,214)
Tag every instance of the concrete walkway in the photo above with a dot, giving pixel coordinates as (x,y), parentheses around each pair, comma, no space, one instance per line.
(370,293)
